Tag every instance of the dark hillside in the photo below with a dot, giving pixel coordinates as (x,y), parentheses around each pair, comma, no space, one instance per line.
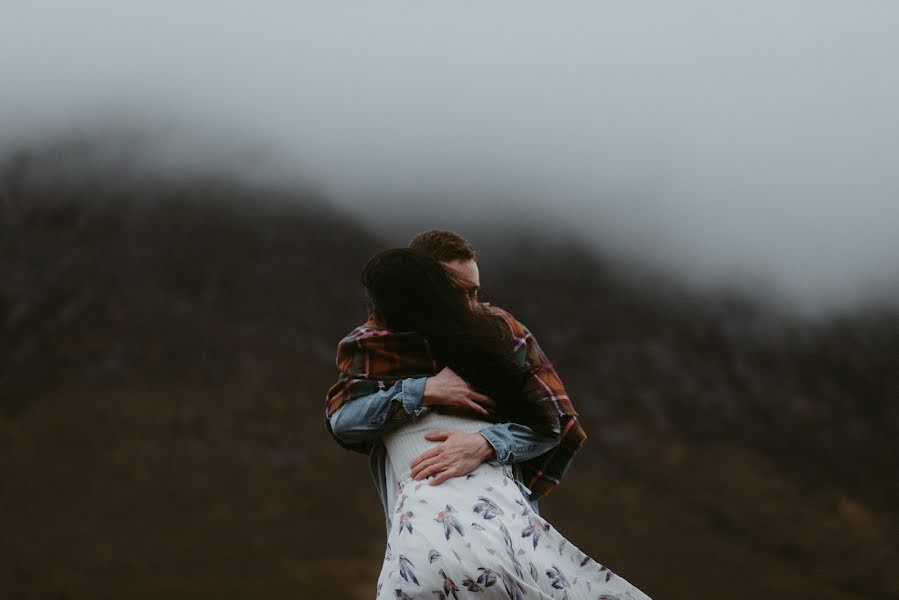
(166,345)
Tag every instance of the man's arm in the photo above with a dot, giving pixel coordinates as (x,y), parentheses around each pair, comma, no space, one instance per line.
(543,472)
(514,443)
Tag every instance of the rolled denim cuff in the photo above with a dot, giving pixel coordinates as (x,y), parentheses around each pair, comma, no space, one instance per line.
(500,446)
(412,395)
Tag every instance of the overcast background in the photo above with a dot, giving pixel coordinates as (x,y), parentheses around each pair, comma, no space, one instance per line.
(750,144)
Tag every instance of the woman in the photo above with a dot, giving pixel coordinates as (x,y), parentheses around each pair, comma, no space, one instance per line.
(473,534)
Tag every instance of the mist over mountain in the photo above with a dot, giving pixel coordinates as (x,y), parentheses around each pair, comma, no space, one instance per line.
(735,146)
(168,339)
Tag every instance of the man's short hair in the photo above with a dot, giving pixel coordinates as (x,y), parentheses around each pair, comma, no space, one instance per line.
(443,245)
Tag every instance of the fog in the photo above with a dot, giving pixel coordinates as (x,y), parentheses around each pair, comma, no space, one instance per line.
(737,144)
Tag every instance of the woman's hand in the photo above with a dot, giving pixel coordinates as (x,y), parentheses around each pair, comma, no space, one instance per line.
(459,454)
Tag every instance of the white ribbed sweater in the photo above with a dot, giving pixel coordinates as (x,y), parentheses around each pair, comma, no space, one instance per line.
(406,443)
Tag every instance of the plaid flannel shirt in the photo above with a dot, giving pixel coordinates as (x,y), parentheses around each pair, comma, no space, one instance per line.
(371,358)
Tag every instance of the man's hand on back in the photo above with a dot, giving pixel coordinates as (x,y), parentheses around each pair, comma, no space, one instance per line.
(459,454)
(447,390)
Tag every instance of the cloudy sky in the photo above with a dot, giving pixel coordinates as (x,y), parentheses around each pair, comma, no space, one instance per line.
(733,143)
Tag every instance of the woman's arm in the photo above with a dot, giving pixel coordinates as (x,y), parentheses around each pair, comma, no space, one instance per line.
(360,422)
(364,419)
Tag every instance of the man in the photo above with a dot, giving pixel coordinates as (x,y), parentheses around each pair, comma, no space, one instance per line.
(365,404)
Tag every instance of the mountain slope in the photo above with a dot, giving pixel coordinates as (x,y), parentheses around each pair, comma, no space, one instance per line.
(167,344)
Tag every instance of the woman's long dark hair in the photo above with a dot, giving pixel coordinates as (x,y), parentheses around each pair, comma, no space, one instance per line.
(410,291)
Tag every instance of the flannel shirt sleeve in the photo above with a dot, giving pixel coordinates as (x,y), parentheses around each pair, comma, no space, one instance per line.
(544,472)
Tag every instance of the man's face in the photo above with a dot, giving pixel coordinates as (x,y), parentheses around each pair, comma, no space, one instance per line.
(467,270)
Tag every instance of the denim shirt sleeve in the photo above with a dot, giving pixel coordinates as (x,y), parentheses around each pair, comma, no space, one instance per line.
(365,419)
(514,443)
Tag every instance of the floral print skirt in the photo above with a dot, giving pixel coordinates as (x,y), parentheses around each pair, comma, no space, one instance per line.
(476,536)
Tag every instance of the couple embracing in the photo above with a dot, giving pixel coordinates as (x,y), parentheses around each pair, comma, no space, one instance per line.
(466,425)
